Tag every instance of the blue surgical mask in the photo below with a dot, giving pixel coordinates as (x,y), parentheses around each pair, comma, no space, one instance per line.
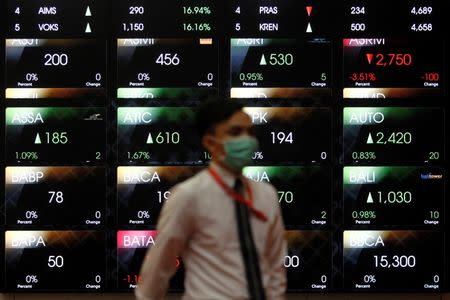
(239,151)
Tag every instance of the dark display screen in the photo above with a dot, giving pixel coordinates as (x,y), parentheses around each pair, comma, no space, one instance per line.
(158,135)
(280,68)
(132,246)
(55,195)
(51,260)
(55,135)
(386,196)
(157,68)
(395,18)
(304,193)
(55,18)
(393,135)
(165,18)
(348,101)
(308,260)
(55,68)
(280,18)
(291,134)
(141,191)
(393,68)
(387,260)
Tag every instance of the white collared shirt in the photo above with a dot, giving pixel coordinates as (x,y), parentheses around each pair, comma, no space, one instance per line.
(198,223)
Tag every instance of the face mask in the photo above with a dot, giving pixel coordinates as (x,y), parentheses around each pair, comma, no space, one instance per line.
(239,151)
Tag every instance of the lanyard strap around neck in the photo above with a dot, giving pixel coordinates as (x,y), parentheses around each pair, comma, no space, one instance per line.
(236,196)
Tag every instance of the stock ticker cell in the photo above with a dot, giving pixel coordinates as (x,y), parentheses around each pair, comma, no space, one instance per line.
(385,196)
(141,191)
(393,68)
(393,260)
(393,135)
(308,261)
(291,134)
(157,68)
(132,246)
(57,18)
(252,18)
(52,260)
(417,19)
(280,68)
(52,135)
(58,196)
(55,68)
(158,135)
(186,18)
(304,192)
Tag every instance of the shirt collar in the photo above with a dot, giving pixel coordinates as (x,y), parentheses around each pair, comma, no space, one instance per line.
(228,177)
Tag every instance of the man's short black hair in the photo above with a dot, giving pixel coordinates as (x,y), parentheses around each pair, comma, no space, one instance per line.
(214,111)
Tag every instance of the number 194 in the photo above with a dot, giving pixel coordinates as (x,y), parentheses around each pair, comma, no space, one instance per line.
(282,137)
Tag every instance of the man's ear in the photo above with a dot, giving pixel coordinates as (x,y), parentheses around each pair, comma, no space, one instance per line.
(208,141)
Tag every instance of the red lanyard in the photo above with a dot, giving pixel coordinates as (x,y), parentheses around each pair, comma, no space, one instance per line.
(238,197)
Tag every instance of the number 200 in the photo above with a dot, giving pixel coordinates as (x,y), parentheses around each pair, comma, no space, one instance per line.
(56,59)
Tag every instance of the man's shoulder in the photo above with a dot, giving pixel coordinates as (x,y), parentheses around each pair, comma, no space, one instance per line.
(267,199)
(267,190)
(263,186)
(192,185)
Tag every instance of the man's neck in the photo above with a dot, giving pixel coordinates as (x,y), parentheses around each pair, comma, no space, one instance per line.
(226,168)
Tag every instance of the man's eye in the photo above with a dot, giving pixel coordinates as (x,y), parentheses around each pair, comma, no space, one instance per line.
(235,132)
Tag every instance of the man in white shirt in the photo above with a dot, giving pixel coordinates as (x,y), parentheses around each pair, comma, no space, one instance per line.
(227,229)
